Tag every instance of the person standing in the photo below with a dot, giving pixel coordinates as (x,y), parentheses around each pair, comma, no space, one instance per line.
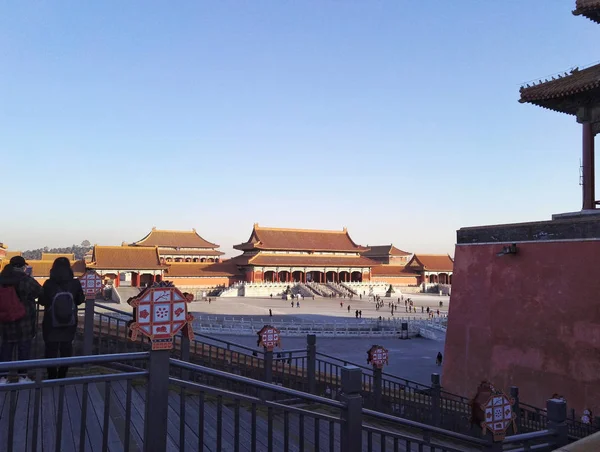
(62,294)
(18,334)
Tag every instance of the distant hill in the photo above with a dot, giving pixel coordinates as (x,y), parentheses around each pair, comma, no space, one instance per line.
(78,250)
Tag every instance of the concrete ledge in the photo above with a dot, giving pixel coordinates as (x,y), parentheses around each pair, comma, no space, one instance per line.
(570,227)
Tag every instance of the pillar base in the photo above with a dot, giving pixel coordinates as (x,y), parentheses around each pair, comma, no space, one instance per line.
(527,316)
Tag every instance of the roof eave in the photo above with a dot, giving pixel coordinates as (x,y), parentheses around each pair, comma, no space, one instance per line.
(592,13)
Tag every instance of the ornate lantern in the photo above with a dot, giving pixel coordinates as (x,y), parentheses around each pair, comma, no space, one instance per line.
(160,312)
(269,337)
(377,356)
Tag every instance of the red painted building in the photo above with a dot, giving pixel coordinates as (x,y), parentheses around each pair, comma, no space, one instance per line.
(181,246)
(127,265)
(524,305)
(302,255)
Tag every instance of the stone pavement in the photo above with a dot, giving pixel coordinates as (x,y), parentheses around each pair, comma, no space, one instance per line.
(413,359)
(319,309)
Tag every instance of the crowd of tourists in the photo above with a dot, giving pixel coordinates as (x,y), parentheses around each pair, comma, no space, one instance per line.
(20,294)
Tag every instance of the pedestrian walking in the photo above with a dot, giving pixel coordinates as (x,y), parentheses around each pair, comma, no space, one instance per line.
(438,360)
(270,313)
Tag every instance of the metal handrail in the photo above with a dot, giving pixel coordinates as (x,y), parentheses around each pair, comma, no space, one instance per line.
(292,393)
(248,398)
(522,437)
(370,370)
(384,434)
(386,376)
(424,427)
(73,361)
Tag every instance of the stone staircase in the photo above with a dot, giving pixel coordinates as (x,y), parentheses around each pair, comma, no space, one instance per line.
(125,293)
(349,289)
(304,290)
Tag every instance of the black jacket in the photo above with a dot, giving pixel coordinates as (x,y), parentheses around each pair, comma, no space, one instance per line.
(61,280)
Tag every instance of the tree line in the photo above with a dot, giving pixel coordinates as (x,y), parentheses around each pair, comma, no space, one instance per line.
(78,250)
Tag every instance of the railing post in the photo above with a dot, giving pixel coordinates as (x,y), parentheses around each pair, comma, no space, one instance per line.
(311,362)
(157,401)
(514,393)
(351,416)
(557,421)
(88,327)
(268,377)
(185,348)
(377,383)
(436,392)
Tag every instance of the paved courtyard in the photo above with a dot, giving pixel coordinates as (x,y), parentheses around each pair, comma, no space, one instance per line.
(323,309)
(413,359)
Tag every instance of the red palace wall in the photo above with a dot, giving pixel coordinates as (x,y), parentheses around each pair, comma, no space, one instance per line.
(202,282)
(404,281)
(531,320)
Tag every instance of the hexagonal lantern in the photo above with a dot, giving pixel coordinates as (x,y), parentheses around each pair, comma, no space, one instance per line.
(160,312)
(377,356)
(269,337)
(91,283)
(494,411)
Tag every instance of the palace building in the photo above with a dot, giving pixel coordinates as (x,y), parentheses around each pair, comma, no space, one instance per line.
(269,256)
(432,268)
(302,255)
(180,246)
(387,255)
(134,266)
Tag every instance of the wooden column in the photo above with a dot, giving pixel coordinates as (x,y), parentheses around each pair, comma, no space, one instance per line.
(589,189)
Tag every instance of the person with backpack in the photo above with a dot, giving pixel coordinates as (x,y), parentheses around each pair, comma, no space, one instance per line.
(18,292)
(62,294)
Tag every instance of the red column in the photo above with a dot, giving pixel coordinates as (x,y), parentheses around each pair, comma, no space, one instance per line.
(118,280)
(589,189)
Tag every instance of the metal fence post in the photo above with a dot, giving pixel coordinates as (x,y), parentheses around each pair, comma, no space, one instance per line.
(268,377)
(185,355)
(377,383)
(557,421)
(88,327)
(311,362)
(436,392)
(351,417)
(514,393)
(185,348)
(157,401)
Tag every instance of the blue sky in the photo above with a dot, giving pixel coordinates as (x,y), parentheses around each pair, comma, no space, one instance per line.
(397,119)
